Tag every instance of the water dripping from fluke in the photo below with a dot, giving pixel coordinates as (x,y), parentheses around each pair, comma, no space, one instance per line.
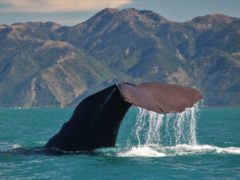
(160,135)
(152,128)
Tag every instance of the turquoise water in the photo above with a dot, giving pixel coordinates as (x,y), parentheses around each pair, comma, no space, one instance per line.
(203,145)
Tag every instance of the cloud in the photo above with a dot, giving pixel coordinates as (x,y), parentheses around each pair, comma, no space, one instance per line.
(53,6)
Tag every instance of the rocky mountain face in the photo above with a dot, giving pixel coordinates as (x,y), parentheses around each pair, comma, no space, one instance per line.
(46,64)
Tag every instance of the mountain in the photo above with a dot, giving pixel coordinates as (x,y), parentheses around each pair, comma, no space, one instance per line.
(46,64)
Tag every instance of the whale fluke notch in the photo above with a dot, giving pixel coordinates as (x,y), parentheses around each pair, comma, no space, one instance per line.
(96,120)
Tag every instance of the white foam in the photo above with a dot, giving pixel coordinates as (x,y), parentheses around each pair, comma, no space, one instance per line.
(178,150)
(185,149)
(42,142)
(143,151)
(16,146)
(228,150)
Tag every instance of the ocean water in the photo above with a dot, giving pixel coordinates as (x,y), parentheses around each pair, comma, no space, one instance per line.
(196,144)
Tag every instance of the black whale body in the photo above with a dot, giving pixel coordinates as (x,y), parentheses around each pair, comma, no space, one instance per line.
(96,120)
(94,123)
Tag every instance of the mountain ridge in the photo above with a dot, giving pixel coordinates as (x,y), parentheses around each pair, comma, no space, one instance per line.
(47,64)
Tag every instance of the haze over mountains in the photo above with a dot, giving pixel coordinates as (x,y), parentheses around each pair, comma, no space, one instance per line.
(46,64)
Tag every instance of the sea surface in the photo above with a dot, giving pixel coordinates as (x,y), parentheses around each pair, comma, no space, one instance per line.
(200,143)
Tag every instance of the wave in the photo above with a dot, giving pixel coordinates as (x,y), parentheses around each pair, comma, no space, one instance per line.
(8,147)
(154,135)
(16,146)
(154,150)
(178,150)
(141,152)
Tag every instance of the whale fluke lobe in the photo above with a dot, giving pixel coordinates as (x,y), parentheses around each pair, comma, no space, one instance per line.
(96,120)
(161,98)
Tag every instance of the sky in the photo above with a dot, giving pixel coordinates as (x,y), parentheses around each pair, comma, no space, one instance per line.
(72,12)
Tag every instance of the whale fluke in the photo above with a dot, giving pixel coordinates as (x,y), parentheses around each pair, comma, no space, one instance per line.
(96,120)
(161,98)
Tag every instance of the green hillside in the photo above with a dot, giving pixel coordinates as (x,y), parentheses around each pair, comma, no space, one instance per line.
(46,64)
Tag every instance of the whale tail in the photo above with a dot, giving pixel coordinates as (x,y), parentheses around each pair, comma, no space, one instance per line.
(96,120)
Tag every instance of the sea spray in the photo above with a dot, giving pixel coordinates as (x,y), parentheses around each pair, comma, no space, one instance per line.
(184,125)
(165,129)
(158,135)
(173,134)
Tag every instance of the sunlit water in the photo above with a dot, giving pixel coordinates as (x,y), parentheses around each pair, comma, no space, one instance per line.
(195,144)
